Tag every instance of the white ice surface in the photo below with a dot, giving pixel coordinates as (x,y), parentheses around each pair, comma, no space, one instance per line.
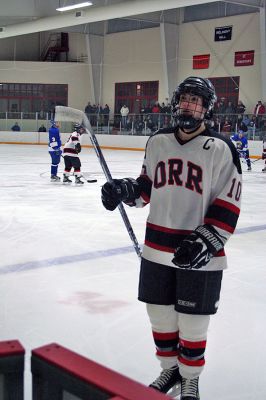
(69,275)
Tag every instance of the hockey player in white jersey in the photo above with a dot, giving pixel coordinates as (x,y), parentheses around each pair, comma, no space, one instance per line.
(191,177)
(71,151)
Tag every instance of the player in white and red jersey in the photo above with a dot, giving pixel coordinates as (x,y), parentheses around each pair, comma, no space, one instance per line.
(71,151)
(192,179)
(264,153)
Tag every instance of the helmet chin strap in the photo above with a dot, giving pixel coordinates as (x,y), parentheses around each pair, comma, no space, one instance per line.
(189,123)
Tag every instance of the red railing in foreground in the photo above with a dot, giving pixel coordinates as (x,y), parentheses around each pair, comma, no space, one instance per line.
(58,372)
(11,370)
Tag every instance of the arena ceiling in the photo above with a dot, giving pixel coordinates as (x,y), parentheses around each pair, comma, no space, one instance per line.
(19,17)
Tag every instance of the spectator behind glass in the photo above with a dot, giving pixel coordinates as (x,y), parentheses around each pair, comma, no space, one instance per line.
(240,108)
(259,110)
(106,112)
(246,120)
(124,111)
(42,129)
(230,112)
(220,106)
(226,127)
(88,109)
(16,127)
(230,109)
(156,112)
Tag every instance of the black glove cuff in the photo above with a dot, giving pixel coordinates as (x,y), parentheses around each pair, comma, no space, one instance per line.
(211,238)
(129,190)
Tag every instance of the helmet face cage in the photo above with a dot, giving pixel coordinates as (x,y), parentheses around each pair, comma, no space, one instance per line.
(79,128)
(199,87)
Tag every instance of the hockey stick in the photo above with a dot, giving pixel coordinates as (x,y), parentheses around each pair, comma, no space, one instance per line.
(243,160)
(87,180)
(257,159)
(74,115)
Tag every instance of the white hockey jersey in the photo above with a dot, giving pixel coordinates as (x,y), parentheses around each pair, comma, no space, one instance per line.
(70,148)
(188,184)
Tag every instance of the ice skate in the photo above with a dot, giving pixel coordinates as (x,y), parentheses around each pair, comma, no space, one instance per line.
(78,181)
(249,168)
(55,178)
(190,389)
(66,179)
(263,169)
(168,379)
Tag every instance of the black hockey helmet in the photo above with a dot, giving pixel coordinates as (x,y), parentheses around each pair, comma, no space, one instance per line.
(200,87)
(79,128)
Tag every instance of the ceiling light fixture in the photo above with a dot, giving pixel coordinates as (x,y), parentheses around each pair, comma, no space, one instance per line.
(80,5)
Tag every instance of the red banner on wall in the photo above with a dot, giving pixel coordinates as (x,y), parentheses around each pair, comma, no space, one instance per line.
(201,62)
(244,58)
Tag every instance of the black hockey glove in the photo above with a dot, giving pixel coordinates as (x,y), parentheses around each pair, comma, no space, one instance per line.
(196,250)
(78,148)
(118,190)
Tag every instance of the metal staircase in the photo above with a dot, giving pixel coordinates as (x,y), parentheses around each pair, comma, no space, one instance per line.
(55,46)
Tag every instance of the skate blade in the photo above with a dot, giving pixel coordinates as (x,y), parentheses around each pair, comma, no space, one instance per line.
(175,391)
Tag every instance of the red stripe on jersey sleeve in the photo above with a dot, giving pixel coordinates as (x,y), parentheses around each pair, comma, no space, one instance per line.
(219,224)
(229,206)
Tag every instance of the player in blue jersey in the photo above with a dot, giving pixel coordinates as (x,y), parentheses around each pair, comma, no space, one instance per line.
(54,149)
(241,143)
